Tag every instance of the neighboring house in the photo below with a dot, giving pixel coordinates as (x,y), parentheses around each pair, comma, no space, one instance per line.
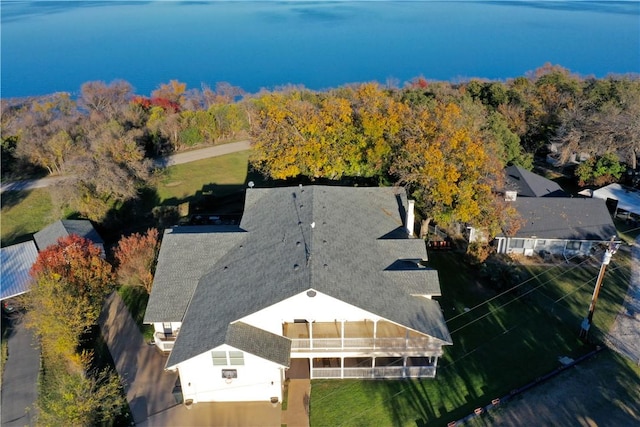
(562,226)
(519,183)
(50,234)
(555,156)
(16,262)
(529,184)
(318,279)
(619,198)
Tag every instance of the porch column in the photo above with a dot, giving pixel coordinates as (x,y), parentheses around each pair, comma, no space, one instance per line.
(341,367)
(310,334)
(373,366)
(375,333)
(406,340)
(342,334)
(404,367)
(311,368)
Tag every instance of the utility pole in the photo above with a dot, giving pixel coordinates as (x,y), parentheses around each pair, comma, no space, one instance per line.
(606,258)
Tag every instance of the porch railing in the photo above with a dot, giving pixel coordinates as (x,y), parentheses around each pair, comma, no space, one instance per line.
(320,344)
(163,341)
(377,372)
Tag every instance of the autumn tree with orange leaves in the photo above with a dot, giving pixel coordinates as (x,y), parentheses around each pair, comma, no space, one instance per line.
(136,257)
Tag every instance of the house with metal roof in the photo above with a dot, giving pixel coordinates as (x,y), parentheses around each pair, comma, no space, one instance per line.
(16,262)
(322,280)
(558,225)
(62,228)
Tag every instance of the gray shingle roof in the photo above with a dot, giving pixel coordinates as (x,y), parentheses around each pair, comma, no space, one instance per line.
(336,240)
(259,342)
(529,184)
(186,254)
(565,219)
(16,262)
(50,234)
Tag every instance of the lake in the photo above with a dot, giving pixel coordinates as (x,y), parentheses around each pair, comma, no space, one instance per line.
(55,46)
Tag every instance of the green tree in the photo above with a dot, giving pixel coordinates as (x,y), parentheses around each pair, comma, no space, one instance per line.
(600,170)
(76,398)
(509,147)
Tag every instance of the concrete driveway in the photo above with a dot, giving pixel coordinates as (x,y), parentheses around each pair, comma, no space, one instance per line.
(20,376)
(149,387)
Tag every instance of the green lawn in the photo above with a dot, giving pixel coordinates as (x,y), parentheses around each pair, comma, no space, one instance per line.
(223,175)
(24,213)
(136,298)
(498,346)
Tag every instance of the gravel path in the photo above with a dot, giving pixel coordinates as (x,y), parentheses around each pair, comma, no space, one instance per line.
(624,336)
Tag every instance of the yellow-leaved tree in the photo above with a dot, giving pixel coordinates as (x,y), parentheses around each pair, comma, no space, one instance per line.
(450,168)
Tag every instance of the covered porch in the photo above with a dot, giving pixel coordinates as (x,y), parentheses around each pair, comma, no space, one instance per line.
(368,367)
(362,335)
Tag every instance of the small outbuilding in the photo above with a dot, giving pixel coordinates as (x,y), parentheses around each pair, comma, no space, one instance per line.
(52,233)
(16,261)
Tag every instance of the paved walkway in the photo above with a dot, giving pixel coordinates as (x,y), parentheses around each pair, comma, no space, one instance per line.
(624,336)
(20,377)
(297,412)
(174,159)
(141,366)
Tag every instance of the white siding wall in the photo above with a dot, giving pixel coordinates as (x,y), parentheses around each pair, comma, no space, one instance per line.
(258,379)
(320,308)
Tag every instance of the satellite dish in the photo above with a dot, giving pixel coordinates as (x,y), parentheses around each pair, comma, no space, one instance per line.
(251,184)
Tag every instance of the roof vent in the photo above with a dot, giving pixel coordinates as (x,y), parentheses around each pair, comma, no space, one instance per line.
(296,266)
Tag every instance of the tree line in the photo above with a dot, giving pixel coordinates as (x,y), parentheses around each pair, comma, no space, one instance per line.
(447,142)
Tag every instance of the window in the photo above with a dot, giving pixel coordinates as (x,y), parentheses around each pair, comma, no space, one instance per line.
(516,243)
(219,358)
(573,245)
(236,358)
(222,358)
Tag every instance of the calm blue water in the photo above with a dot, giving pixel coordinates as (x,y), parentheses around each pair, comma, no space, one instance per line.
(56,46)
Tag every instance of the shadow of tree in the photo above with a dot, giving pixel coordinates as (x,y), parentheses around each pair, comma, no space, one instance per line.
(9,199)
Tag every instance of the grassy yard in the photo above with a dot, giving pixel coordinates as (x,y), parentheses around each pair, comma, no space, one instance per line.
(24,213)
(224,174)
(136,298)
(501,342)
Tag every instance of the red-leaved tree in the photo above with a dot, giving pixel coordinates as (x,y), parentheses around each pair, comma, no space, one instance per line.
(136,257)
(71,281)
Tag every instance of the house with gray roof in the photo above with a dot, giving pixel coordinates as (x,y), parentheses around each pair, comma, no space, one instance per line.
(322,280)
(62,228)
(560,225)
(528,184)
